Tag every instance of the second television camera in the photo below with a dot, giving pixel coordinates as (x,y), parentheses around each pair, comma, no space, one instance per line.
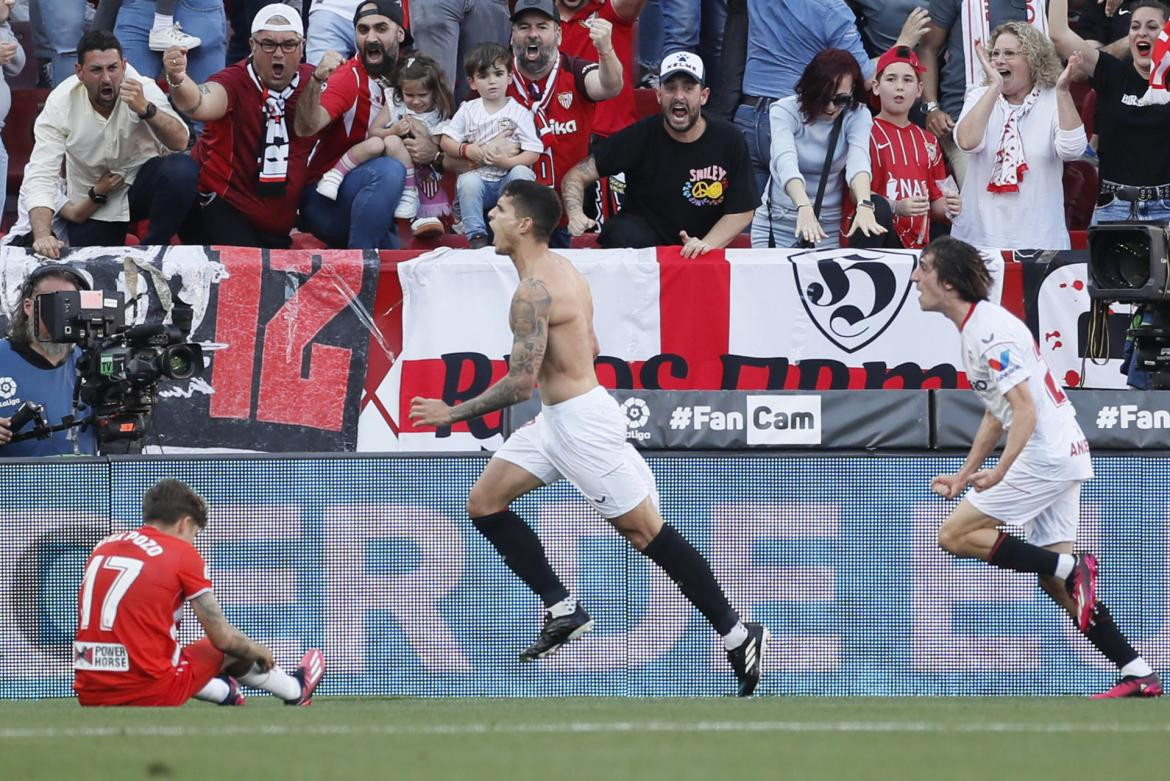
(120,367)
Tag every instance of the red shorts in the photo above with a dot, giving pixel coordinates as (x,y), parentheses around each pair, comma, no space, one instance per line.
(198,664)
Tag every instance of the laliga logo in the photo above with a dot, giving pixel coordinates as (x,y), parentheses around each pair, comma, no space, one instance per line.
(851,295)
(7,387)
(637,415)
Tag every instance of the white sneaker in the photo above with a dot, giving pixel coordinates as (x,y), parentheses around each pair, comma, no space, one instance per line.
(426,227)
(407,208)
(329,184)
(165,37)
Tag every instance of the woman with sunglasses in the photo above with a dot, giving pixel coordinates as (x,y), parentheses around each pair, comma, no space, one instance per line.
(830,89)
(1017,130)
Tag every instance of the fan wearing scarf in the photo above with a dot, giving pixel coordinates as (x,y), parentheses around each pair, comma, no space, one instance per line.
(252,164)
(1016,131)
(561,91)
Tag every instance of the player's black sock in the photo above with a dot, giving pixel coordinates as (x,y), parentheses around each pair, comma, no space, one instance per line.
(1107,638)
(523,554)
(687,567)
(1013,553)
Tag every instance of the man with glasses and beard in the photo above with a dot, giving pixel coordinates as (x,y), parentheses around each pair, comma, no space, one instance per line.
(252,163)
(689,177)
(560,91)
(44,373)
(342,100)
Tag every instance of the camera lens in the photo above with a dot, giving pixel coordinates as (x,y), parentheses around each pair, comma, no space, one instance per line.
(181,362)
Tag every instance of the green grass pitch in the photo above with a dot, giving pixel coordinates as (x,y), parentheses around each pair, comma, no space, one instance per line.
(939,739)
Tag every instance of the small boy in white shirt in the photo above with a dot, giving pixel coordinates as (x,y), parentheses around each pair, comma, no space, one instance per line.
(489,68)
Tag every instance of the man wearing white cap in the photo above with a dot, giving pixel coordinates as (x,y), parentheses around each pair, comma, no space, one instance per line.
(252,163)
(689,177)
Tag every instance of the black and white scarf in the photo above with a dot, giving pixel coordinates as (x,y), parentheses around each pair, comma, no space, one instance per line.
(273,160)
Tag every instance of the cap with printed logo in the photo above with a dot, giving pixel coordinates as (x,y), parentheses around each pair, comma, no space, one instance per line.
(265,20)
(546,7)
(682,62)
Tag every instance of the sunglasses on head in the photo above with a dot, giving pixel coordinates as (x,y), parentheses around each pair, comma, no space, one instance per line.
(844,100)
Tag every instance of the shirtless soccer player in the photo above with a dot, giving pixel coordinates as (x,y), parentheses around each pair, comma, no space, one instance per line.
(1036,484)
(580,435)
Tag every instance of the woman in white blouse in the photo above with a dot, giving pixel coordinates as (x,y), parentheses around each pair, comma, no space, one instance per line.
(1017,131)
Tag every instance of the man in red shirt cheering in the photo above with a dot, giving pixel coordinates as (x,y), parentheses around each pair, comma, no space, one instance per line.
(252,163)
(560,91)
(126,650)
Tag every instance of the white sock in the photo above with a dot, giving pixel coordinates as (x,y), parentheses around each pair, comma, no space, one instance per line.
(276,681)
(735,638)
(1138,668)
(215,691)
(1064,565)
(163,21)
(563,608)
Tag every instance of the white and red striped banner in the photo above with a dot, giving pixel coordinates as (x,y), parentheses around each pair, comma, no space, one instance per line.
(734,319)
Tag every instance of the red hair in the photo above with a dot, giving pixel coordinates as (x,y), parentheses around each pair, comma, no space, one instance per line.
(818,83)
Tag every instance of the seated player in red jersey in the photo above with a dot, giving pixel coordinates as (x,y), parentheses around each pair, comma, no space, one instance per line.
(907,161)
(126,651)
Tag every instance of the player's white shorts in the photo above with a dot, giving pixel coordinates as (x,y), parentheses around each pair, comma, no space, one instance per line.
(583,439)
(1048,510)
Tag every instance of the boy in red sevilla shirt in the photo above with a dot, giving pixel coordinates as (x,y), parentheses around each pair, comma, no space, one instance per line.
(907,161)
(559,90)
(126,651)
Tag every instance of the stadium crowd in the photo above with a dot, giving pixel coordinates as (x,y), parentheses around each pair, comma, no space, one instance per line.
(356,119)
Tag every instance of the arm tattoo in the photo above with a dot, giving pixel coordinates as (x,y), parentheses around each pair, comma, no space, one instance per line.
(211,616)
(529,320)
(574,183)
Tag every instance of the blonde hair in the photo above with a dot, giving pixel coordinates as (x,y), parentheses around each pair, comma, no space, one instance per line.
(1037,49)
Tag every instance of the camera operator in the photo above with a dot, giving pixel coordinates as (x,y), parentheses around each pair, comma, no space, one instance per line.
(40,372)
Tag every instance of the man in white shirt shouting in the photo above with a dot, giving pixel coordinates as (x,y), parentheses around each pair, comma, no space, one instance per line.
(1036,484)
(108,119)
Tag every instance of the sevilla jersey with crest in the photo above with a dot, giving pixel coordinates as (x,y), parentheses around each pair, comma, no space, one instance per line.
(999,353)
(563,113)
(128,611)
(352,99)
(906,162)
(615,113)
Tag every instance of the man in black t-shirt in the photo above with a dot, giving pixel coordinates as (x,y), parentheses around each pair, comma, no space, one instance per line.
(689,177)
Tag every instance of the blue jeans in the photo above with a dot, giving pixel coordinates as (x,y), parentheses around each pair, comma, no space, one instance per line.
(163,192)
(329,32)
(448,29)
(753,122)
(477,194)
(362,217)
(62,23)
(1117,210)
(650,36)
(695,26)
(202,18)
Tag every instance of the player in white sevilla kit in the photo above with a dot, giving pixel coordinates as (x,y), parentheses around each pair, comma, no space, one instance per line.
(1036,484)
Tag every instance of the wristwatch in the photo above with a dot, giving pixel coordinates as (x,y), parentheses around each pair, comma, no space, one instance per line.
(868,204)
(151,110)
(93,196)
(931,105)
